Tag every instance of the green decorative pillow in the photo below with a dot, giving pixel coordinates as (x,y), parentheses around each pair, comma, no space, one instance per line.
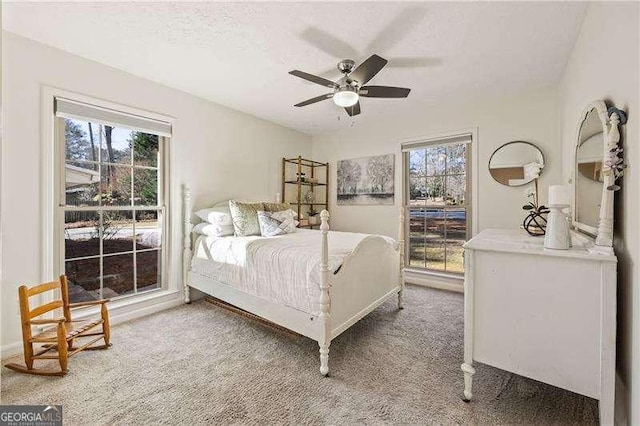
(276,207)
(245,218)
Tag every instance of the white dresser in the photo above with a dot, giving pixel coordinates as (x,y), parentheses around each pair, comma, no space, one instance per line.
(545,314)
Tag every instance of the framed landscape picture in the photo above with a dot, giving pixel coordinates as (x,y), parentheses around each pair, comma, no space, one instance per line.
(366,181)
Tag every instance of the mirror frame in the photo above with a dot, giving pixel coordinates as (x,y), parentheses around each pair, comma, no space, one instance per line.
(601,109)
(610,119)
(544,162)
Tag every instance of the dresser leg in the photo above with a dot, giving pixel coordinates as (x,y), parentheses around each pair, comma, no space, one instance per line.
(469,371)
(608,351)
(467,366)
(607,401)
(324,360)
(606,412)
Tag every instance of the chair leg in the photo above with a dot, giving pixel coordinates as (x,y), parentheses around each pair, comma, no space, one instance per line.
(105,324)
(62,348)
(28,355)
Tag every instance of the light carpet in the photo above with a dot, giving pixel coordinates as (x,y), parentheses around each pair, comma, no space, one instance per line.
(200,364)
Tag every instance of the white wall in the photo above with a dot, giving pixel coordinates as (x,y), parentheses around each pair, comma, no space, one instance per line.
(219,152)
(530,117)
(604,65)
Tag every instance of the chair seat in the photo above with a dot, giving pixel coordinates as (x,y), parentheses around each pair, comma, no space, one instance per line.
(73,329)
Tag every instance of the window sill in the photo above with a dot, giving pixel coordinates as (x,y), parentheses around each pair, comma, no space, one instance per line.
(137,306)
(437,280)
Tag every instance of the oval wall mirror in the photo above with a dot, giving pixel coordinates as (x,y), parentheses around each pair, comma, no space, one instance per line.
(516,163)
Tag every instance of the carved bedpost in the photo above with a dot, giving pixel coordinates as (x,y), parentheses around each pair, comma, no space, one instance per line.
(186,240)
(325,300)
(605,224)
(401,228)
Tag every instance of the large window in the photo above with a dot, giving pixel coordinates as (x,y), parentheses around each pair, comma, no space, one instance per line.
(437,200)
(111,213)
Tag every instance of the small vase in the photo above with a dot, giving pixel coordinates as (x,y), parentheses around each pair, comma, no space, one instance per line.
(535,224)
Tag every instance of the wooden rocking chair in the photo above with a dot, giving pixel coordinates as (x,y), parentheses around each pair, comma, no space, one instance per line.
(60,337)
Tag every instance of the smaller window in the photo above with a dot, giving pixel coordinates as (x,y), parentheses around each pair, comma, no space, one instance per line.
(437,201)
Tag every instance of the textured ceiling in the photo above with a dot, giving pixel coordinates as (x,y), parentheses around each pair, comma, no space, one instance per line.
(238,54)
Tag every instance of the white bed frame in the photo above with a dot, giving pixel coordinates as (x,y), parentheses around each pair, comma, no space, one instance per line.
(368,277)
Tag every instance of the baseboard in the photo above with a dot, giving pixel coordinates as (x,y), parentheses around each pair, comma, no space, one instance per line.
(434,281)
(124,315)
(117,315)
(11,349)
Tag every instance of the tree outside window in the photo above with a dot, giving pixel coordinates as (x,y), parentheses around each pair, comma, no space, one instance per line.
(111,210)
(437,207)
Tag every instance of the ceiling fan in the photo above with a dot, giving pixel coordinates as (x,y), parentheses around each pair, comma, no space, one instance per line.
(348,89)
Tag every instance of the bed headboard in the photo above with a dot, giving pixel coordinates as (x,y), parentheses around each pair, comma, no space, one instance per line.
(187,234)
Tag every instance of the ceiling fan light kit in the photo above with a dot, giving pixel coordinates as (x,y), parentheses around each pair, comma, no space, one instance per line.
(345,97)
(348,90)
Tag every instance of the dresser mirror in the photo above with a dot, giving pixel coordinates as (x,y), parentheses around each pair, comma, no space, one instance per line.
(589,179)
(516,163)
(593,184)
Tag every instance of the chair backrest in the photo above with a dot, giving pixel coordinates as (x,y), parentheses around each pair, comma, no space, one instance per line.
(26,313)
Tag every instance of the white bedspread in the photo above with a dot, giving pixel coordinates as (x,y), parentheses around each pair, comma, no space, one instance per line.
(285,269)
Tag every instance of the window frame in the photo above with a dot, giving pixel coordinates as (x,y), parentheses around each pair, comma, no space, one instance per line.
(52,244)
(471,180)
(60,142)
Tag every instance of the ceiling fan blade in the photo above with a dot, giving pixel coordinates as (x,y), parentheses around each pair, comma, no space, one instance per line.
(383,92)
(314,79)
(414,62)
(368,69)
(329,73)
(353,110)
(314,100)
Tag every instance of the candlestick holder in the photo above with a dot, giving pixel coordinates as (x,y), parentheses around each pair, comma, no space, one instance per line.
(558,235)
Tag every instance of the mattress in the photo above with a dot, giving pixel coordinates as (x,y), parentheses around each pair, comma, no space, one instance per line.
(284,269)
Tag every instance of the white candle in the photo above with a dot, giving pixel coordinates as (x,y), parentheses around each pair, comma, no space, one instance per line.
(559,195)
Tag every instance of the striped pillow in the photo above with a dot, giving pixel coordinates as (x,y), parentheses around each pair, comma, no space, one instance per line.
(276,223)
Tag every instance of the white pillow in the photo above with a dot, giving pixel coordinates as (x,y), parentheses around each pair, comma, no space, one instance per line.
(218,215)
(276,223)
(213,230)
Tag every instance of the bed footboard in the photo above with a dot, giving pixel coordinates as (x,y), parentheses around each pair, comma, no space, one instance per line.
(366,280)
